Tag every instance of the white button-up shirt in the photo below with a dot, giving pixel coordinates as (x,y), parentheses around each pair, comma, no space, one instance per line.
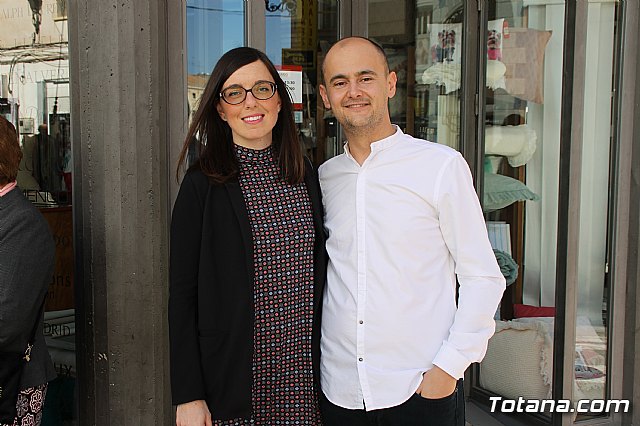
(401,227)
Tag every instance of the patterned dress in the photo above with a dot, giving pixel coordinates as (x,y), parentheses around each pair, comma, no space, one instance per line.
(283,238)
(29,406)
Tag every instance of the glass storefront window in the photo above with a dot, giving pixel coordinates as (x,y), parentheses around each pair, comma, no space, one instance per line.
(299,33)
(424,48)
(213,27)
(522,150)
(522,121)
(521,184)
(34,95)
(591,379)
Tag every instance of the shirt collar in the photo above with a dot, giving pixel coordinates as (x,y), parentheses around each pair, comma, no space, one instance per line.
(381,144)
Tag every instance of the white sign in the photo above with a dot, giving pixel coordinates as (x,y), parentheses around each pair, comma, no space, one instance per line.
(293,80)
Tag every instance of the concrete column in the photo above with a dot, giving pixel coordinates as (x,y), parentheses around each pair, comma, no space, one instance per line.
(119,74)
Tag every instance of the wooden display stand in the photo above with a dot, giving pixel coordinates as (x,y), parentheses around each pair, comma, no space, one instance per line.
(60,294)
(514,215)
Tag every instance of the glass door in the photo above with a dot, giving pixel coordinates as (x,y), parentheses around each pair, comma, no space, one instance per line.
(592,380)
(523,101)
(522,105)
(298,35)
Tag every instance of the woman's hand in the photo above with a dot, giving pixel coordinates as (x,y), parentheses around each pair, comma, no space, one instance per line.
(436,384)
(194,413)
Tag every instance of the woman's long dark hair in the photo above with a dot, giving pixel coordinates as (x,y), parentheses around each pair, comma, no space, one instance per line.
(213,137)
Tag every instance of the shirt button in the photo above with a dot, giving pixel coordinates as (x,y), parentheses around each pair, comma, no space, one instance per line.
(361,322)
(360,359)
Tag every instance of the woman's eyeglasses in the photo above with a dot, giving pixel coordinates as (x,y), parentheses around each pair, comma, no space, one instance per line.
(236,94)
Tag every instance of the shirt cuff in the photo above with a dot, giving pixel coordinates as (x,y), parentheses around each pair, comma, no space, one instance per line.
(451,361)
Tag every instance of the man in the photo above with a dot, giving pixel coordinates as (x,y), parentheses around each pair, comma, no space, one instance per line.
(403,220)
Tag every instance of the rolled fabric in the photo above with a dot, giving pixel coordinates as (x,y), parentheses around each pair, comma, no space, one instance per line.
(508,266)
(517,143)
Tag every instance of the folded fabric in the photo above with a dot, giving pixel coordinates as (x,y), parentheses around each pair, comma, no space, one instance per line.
(517,143)
(443,74)
(501,191)
(448,75)
(495,75)
(508,266)
(521,310)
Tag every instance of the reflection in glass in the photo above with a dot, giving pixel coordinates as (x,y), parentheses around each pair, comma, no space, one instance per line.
(213,27)
(35,96)
(522,144)
(425,51)
(520,200)
(593,289)
(298,36)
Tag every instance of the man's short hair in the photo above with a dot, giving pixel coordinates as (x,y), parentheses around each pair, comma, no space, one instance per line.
(377,45)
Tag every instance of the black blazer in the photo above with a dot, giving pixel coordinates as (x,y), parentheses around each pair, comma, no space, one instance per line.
(211,294)
(27,254)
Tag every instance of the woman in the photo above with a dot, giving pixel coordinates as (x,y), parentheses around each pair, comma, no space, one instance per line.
(27,254)
(247,259)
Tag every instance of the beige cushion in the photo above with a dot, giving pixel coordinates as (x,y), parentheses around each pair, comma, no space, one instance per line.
(518,360)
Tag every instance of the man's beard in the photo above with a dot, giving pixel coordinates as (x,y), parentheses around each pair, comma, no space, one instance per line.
(361,125)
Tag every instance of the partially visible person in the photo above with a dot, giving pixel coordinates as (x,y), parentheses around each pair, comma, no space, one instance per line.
(27,253)
(247,261)
(403,221)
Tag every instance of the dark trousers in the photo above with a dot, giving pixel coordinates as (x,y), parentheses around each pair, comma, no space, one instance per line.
(416,411)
